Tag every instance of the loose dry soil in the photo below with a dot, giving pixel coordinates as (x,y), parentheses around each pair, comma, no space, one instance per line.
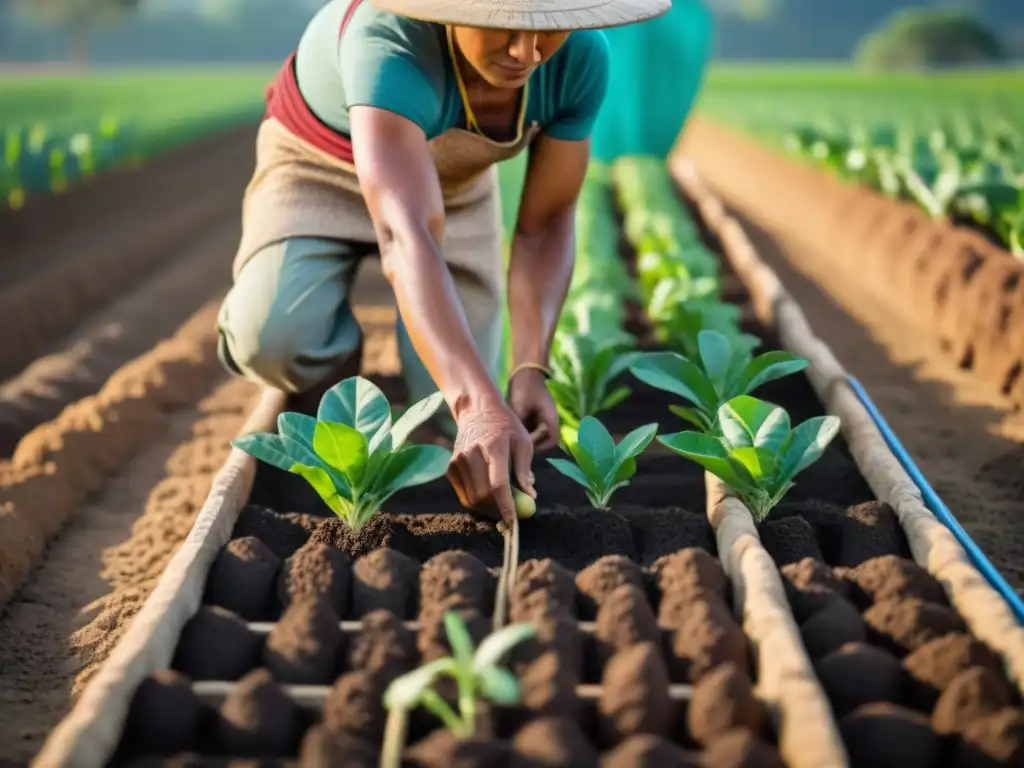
(65,621)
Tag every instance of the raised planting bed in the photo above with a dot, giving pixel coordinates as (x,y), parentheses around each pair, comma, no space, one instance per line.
(662,632)
(921,668)
(952,283)
(632,611)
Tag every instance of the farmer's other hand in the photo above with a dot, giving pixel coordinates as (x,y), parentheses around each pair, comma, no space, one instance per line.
(530,400)
(490,439)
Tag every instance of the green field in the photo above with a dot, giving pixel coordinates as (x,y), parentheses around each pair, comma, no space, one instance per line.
(954,141)
(951,142)
(776,96)
(58,128)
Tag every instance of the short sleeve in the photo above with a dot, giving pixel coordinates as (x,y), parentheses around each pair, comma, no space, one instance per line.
(582,84)
(389,63)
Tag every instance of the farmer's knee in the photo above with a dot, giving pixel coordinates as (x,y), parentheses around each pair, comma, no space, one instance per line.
(287,327)
(261,344)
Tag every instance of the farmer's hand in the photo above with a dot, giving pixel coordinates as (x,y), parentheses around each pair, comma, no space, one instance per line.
(530,400)
(491,438)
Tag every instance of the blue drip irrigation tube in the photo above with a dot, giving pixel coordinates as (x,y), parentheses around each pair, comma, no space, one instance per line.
(938,508)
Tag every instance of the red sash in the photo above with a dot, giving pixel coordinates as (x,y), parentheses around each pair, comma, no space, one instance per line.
(285,103)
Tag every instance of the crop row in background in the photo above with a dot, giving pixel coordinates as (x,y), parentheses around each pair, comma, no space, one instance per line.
(952,143)
(56,129)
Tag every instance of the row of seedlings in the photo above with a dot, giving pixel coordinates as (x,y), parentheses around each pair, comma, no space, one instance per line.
(907,681)
(317,626)
(639,578)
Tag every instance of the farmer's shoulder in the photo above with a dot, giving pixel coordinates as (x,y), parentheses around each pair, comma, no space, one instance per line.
(584,55)
(387,34)
(575,81)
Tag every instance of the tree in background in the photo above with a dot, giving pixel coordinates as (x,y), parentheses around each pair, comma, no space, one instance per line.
(78,18)
(917,38)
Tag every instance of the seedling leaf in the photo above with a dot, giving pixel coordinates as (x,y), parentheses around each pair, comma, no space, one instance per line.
(571,471)
(716,356)
(692,416)
(298,427)
(635,443)
(671,372)
(595,440)
(458,638)
(499,685)
(769,366)
(711,454)
(321,482)
(615,397)
(494,647)
(412,465)
(360,404)
(806,444)
(406,691)
(343,448)
(747,421)
(416,415)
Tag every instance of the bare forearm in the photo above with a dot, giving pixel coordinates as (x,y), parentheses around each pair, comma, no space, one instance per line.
(540,271)
(435,321)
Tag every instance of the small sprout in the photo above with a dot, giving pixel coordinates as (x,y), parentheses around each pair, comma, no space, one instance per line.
(351,454)
(477,674)
(723,371)
(602,467)
(526,507)
(757,454)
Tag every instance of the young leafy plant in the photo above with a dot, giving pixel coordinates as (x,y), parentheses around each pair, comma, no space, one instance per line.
(602,467)
(721,372)
(757,454)
(352,454)
(681,308)
(477,674)
(583,371)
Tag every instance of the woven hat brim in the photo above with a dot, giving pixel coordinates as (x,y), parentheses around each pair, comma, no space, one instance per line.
(533,15)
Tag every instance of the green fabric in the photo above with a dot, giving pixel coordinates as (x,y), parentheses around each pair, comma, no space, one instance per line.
(403,65)
(287,320)
(657,68)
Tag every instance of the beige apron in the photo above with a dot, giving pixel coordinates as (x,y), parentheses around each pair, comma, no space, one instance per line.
(297,190)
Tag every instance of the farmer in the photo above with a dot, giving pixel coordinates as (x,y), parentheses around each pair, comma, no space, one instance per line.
(381,136)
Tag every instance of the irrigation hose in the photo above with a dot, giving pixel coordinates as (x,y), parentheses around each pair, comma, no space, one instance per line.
(937,506)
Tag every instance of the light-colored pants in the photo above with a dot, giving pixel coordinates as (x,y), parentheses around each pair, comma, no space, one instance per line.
(287,322)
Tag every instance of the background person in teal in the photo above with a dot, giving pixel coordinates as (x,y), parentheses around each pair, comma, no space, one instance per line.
(655,73)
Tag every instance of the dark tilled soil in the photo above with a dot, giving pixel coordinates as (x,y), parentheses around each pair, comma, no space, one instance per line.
(645,571)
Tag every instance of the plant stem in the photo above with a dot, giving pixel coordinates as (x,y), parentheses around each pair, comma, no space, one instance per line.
(467,707)
(439,707)
(394,738)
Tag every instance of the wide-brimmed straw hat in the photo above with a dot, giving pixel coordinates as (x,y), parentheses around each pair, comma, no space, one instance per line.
(534,15)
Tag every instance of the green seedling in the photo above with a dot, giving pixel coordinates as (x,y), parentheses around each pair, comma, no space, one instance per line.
(583,372)
(477,673)
(352,454)
(681,308)
(602,467)
(721,372)
(757,454)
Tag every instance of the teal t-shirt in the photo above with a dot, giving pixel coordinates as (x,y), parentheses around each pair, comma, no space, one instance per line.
(404,66)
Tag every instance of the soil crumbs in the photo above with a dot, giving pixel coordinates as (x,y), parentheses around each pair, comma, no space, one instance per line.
(67,618)
(967,442)
(62,625)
